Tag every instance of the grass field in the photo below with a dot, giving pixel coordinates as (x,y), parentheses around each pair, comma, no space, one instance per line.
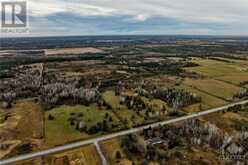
(25,121)
(61,126)
(155,104)
(110,148)
(220,83)
(64,51)
(213,87)
(129,116)
(228,121)
(112,100)
(85,155)
(233,72)
(207,101)
(234,78)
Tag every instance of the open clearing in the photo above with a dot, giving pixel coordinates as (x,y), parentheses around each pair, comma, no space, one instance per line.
(61,126)
(235,71)
(25,121)
(85,155)
(128,116)
(213,87)
(110,148)
(207,101)
(70,51)
(229,121)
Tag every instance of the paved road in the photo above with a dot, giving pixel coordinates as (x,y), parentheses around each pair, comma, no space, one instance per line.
(103,159)
(111,136)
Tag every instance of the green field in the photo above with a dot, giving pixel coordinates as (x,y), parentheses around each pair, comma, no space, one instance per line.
(83,155)
(234,71)
(128,116)
(60,126)
(234,78)
(112,100)
(110,148)
(208,101)
(213,87)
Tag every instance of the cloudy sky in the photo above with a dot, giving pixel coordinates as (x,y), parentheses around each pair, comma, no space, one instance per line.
(119,17)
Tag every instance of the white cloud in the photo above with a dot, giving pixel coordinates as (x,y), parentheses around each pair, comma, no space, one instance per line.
(233,14)
(190,10)
(47,7)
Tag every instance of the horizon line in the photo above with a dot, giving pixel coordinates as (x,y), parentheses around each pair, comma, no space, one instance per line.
(121,35)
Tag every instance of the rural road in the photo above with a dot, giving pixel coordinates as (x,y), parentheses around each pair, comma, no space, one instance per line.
(103,159)
(113,135)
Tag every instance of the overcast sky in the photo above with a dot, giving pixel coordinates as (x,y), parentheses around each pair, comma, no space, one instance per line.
(119,17)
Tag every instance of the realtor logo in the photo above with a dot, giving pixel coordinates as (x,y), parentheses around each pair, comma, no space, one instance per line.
(14,14)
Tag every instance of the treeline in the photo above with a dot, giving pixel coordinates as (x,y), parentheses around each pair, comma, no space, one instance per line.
(242,94)
(132,102)
(13,62)
(61,93)
(176,98)
(162,143)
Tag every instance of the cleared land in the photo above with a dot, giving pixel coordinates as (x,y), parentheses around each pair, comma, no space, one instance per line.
(207,101)
(213,87)
(229,121)
(72,51)
(110,149)
(128,117)
(23,121)
(235,71)
(84,156)
(61,126)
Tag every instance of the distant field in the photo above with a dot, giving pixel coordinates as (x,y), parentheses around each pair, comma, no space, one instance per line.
(72,51)
(61,126)
(234,71)
(208,101)
(213,87)
(221,82)
(235,78)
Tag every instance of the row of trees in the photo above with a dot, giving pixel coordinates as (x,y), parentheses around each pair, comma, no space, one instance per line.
(156,144)
(176,98)
(26,83)
(60,93)
(133,102)
(242,94)
(141,147)
(198,132)
(106,125)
